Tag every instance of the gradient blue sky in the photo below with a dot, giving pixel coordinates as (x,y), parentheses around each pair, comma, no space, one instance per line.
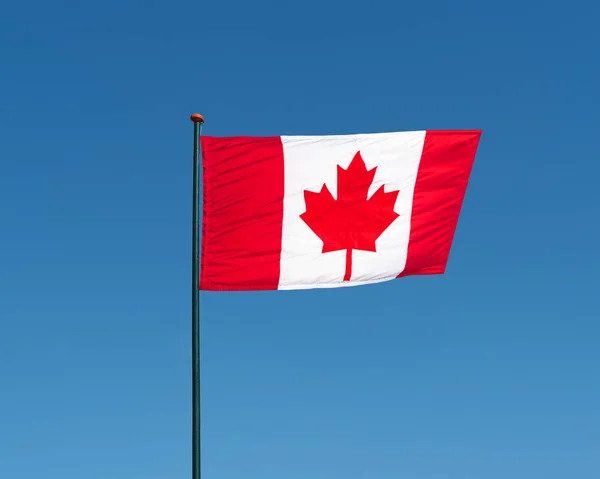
(490,371)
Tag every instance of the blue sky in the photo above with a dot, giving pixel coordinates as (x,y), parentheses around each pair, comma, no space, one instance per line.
(489,371)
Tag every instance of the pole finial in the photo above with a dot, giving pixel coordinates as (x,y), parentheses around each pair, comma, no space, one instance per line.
(197,118)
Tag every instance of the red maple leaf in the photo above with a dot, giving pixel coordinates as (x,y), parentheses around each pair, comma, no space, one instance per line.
(352,221)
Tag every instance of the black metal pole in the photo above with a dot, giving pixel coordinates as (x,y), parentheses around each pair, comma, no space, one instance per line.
(196,464)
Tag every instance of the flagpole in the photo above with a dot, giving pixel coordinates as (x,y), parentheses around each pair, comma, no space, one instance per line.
(196,464)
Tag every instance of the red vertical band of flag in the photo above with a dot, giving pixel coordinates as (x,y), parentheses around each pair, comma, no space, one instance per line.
(244,255)
(442,179)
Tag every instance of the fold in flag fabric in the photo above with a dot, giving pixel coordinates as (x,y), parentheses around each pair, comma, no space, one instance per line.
(300,212)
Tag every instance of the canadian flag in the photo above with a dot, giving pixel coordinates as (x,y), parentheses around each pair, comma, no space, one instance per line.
(298,212)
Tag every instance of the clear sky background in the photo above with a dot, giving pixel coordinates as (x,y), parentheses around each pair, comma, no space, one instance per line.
(490,371)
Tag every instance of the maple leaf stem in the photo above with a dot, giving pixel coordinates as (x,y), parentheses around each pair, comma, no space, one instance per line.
(348,273)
